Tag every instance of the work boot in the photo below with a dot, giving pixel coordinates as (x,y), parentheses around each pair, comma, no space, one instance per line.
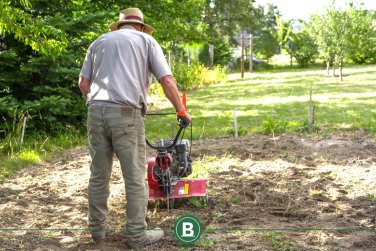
(99,239)
(148,237)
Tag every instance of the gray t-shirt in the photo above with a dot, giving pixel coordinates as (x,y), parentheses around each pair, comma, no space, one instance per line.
(119,65)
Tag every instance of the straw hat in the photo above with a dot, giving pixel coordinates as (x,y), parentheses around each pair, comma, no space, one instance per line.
(131,16)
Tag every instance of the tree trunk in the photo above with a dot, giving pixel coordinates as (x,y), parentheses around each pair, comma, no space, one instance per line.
(290,61)
(327,66)
(334,71)
(340,70)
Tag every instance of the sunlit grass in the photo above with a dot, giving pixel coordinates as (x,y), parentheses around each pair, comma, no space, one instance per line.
(276,101)
(35,149)
(11,164)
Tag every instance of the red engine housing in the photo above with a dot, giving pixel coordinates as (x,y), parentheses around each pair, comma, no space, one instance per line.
(155,163)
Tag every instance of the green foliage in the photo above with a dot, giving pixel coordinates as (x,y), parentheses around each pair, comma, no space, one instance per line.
(303,48)
(38,79)
(222,53)
(345,33)
(266,43)
(10,133)
(275,126)
(279,241)
(13,163)
(198,202)
(226,19)
(35,147)
(43,44)
(371,197)
(31,30)
(283,32)
(196,75)
(205,243)
(362,37)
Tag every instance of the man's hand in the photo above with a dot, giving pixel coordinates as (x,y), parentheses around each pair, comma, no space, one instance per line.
(183,118)
(84,85)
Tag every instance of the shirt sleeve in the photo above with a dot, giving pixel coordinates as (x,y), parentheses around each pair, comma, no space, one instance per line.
(86,70)
(158,63)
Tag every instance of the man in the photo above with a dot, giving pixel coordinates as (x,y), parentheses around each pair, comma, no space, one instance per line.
(115,79)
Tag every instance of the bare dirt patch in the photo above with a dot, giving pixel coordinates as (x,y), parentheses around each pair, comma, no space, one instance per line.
(266,193)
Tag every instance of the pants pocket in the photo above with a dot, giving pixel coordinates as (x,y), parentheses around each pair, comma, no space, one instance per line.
(95,135)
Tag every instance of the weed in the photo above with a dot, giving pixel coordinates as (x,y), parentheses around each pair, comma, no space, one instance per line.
(11,134)
(216,214)
(236,201)
(210,230)
(198,202)
(372,197)
(273,126)
(287,157)
(314,191)
(242,131)
(205,243)
(279,241)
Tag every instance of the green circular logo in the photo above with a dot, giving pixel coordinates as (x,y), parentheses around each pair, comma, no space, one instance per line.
(187,229)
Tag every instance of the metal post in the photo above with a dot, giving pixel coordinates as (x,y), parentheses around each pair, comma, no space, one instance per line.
(211,55)
(242,59)
(250,53)
(235,123)
(311,113)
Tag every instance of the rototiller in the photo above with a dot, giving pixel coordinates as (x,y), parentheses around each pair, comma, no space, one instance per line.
(172,163)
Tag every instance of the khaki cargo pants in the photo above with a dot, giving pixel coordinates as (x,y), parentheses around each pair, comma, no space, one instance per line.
(118,130)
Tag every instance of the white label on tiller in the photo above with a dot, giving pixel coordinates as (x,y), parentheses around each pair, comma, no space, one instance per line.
(181,191)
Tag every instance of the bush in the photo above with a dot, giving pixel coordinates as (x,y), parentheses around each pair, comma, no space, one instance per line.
(194,76)
(274,126)
(222,53)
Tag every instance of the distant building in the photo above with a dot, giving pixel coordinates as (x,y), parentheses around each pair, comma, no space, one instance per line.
(296,25)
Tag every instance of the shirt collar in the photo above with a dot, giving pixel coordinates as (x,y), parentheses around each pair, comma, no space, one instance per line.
(127,26)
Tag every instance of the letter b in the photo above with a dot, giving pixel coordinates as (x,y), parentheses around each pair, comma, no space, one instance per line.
(187,229)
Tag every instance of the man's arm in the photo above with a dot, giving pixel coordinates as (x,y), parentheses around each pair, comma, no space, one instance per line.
(171,91)
(84,85)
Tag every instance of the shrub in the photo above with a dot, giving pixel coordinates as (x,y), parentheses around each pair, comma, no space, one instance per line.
(194,76)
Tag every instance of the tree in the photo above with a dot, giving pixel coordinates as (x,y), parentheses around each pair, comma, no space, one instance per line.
(320,31)
(222,53)
(343,34)
(266,43)
(283,32)
(43,44)
(225,19)
(362,39)
(29,29)
(303,48)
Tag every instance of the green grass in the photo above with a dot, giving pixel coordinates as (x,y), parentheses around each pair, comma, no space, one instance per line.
(277,102)
(35,149)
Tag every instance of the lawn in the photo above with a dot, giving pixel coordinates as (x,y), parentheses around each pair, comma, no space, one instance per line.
(277,102)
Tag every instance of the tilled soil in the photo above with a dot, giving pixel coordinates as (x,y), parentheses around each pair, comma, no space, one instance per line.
(265,193)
